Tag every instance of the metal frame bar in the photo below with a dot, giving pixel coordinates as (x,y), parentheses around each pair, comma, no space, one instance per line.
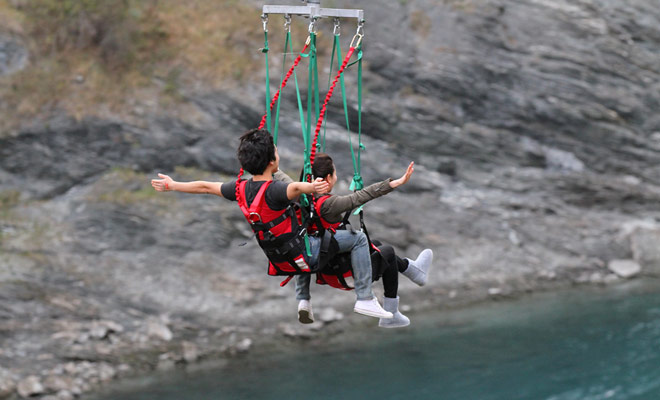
(314,11)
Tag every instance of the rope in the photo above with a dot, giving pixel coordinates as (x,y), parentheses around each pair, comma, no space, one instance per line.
(284,82)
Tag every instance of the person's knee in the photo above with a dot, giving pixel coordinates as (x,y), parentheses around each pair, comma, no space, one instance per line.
(361,238)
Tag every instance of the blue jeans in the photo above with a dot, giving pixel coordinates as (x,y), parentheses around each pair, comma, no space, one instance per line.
(355,243)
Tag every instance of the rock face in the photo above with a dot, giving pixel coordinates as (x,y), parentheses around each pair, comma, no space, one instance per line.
(625,268)
(536,137)
(13,55)
(30,386)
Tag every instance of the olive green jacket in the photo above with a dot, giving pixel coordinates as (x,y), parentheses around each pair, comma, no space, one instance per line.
(334,207)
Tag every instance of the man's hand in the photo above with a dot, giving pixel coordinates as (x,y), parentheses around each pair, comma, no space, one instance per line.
(321,186)
(164,184)
(405,178)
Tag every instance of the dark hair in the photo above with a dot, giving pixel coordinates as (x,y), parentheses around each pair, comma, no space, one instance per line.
(323,166)
(256,150)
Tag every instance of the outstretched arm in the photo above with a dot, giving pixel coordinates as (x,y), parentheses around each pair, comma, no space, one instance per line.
(335,206)
(166,184)
(405,178)
(295,189)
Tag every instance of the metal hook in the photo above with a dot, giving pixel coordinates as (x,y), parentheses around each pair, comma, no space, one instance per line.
(264,20)
(360,28)
(287,22)
(337,29)
(312,26)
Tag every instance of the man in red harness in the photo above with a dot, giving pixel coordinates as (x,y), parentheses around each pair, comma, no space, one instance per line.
(258,155)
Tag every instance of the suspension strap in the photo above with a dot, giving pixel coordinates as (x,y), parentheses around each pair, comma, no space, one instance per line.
(357,40)
(287,43)
(272,103)
(335,49)
(264,19)
(357,182)
(283,85)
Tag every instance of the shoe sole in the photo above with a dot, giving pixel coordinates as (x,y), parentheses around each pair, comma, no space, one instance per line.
(393,326)
(373,314)
(304,317)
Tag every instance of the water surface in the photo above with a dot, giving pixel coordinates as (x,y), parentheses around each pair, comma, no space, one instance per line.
(584,344)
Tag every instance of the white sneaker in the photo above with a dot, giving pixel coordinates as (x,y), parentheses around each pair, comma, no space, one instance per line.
(371,308)
(305,314)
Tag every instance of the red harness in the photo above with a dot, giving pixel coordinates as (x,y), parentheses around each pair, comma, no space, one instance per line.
(279,233)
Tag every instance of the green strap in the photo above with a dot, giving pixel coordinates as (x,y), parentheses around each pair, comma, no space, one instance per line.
(287,43)
(360,145)
(317,104)
(335,48)
(265,51)
(357,182)
(307,169)
(301,109)
(312,96)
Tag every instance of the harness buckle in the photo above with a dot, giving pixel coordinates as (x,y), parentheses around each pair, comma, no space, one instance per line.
(254,217)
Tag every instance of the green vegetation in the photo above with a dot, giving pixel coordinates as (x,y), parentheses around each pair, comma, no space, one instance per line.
(9,199)
(119,33)
(89,57)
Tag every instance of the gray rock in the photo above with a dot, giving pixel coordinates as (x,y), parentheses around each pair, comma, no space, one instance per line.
(65,395)
(596,277)
(13,55)
(30,386)
(166,361)
(645,249)
(56,383)
(625,268)
(101,329)
(244,345)
(189,351)
(329,314)
(159,330)
(106,372)
(7,383)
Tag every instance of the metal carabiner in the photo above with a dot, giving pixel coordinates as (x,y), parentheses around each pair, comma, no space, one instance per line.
(287,22)
(264,20)
(312,26)
(359,34)
(357,40)
(360,28)
(337,29)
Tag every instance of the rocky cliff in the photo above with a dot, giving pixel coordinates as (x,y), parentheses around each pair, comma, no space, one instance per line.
(534,126)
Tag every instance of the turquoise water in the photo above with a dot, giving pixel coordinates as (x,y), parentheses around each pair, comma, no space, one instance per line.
(582,344)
